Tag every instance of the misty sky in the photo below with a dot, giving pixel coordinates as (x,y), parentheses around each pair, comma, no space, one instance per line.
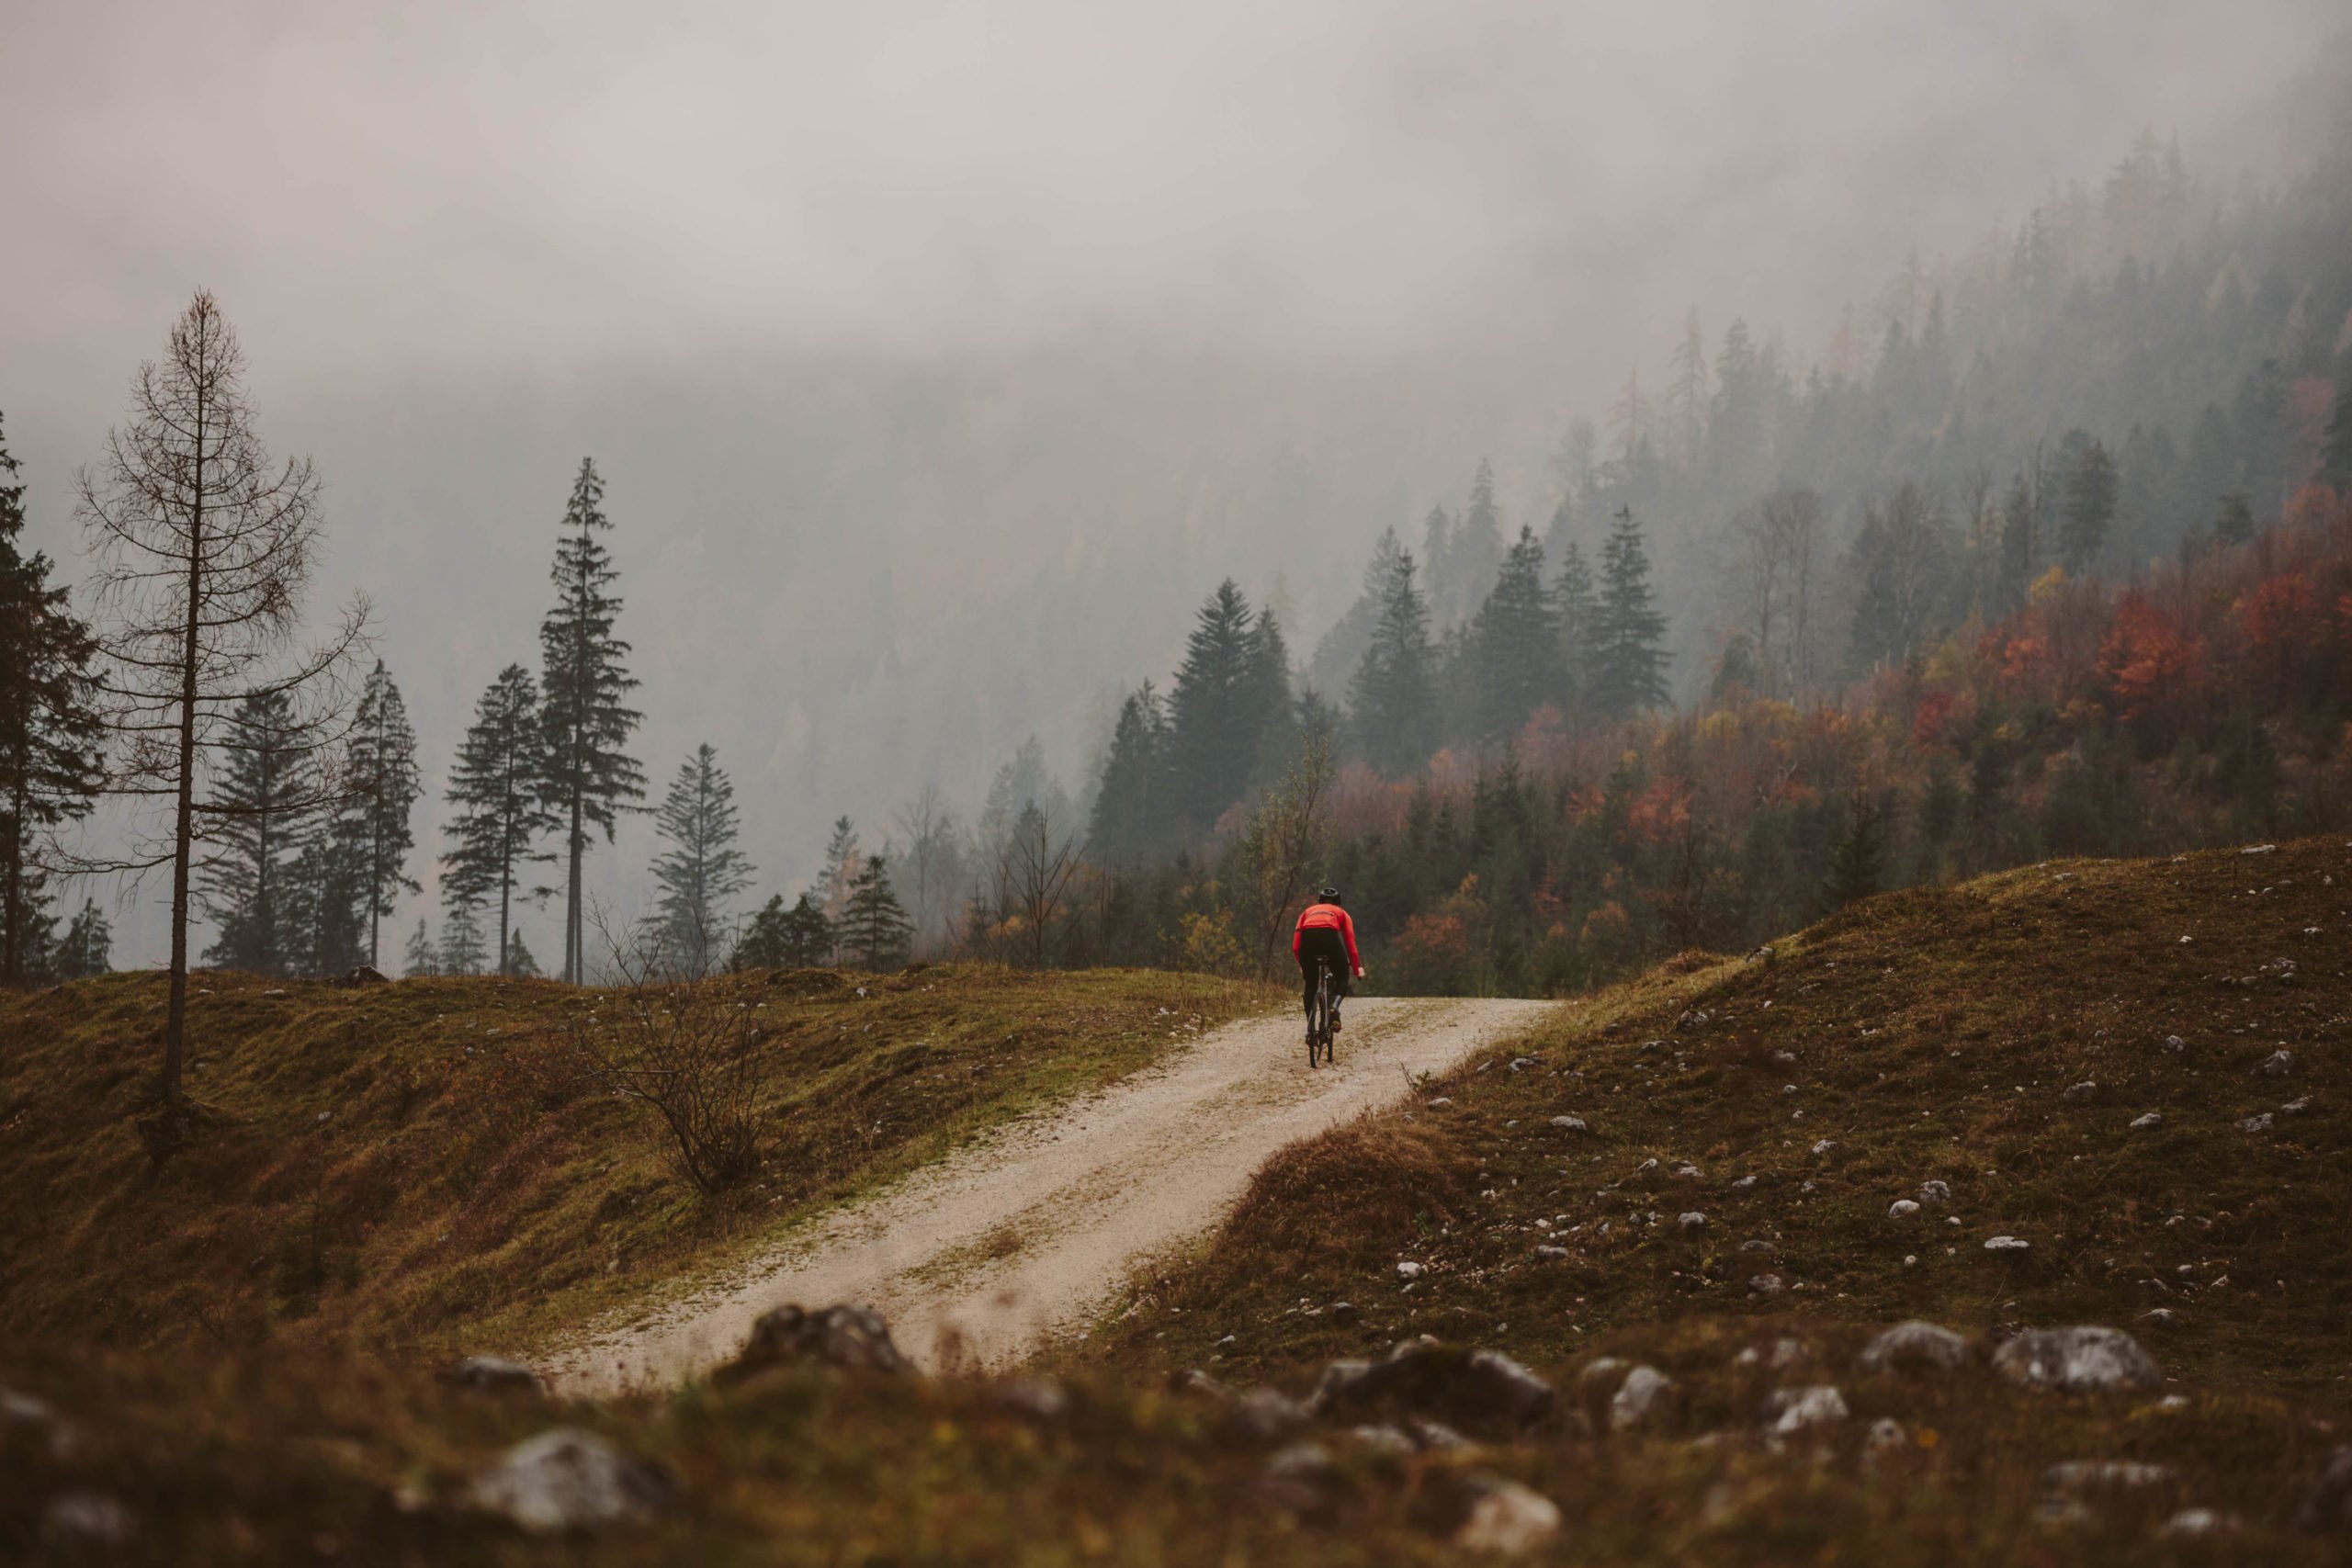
(939,357)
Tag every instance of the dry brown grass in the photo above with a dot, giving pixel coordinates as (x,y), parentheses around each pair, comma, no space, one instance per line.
(427,1163)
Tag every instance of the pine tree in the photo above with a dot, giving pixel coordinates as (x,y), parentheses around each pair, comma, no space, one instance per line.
(1273,713)
(778,938)
(326,894)
(1515,644)
(702,871)
(519,964)
(1213,710)
(1464,560)
(88,947)
(495,783)
(590,776)
(1576,605)
(50,765)
(2087,503)
(875,929)
(1392,701)
(421,958)
(373,823)
(1629,662)
(1129,822)
(462,951)
(262,806)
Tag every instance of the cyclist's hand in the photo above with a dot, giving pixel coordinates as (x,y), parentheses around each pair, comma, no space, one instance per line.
(1359,970)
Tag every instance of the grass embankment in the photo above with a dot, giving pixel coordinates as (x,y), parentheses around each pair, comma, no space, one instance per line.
(424,1164)
(2001,1037)
(1934,1036)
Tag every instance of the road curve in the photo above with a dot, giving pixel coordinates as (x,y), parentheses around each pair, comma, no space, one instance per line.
(979,1258)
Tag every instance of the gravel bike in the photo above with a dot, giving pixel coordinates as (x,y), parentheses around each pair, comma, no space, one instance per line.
(1318,1017)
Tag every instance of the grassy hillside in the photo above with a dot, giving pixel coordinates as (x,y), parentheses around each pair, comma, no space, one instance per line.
(1929,1037)
(2001,1037)
(424,1163)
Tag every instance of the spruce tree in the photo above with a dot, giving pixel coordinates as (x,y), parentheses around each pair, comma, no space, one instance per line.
(1129,821)
(1514,644)
(1392,701)
(88,947)
(2233,524)
(462,951)
(260,811)
(519,964)
(875,929)
(2086,501)
(495,784)
(420,958)
(1214,709)
(589,777)
(383,786)
(50,764)
(702,871)
(778,938)
(1629,661)
(1272,713)
(1576,604)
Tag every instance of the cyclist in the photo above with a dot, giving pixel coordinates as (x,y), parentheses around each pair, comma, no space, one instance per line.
(1326,932)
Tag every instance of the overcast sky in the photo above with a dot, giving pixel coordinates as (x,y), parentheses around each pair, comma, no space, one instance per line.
(939,356)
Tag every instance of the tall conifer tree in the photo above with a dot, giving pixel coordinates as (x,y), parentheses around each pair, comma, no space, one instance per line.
(1392,701)
(263,803)
(1629,672)
(1215,708)
(584,719)
(702,871)
(1577,605)
(1129,821)
(50,764)
(496,784)
(1515,643)
(383,786)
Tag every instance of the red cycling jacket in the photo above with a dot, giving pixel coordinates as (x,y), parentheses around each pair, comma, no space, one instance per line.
(1328,918)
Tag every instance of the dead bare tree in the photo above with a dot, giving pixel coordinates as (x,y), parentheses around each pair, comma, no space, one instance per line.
(686,1049)
(1280,846)
(1034,871)
(203,550)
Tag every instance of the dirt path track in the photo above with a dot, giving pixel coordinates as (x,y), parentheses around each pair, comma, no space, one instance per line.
(980,1257)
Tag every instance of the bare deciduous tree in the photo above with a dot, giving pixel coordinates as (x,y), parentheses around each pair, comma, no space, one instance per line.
(1033,872)
(1280,846)
(203,550)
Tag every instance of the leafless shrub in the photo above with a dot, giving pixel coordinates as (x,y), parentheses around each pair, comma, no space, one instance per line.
(690,1053)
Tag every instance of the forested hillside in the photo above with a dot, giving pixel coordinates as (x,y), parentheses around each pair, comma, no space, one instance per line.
(2063,564)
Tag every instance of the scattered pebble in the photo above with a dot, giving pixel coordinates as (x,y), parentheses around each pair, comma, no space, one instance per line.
(1506,1517)
(2007,1244)
(2255,1123)
(2080,1091)
(1935,1192)
(1408,1270)
(1692,1222)
(2077,1360)
(1902,1209)
(1791,1410)
(2142,1124)
(1568,1124)
(2278,1063)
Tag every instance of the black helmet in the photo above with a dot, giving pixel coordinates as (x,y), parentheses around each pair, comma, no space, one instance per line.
(1330,895)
